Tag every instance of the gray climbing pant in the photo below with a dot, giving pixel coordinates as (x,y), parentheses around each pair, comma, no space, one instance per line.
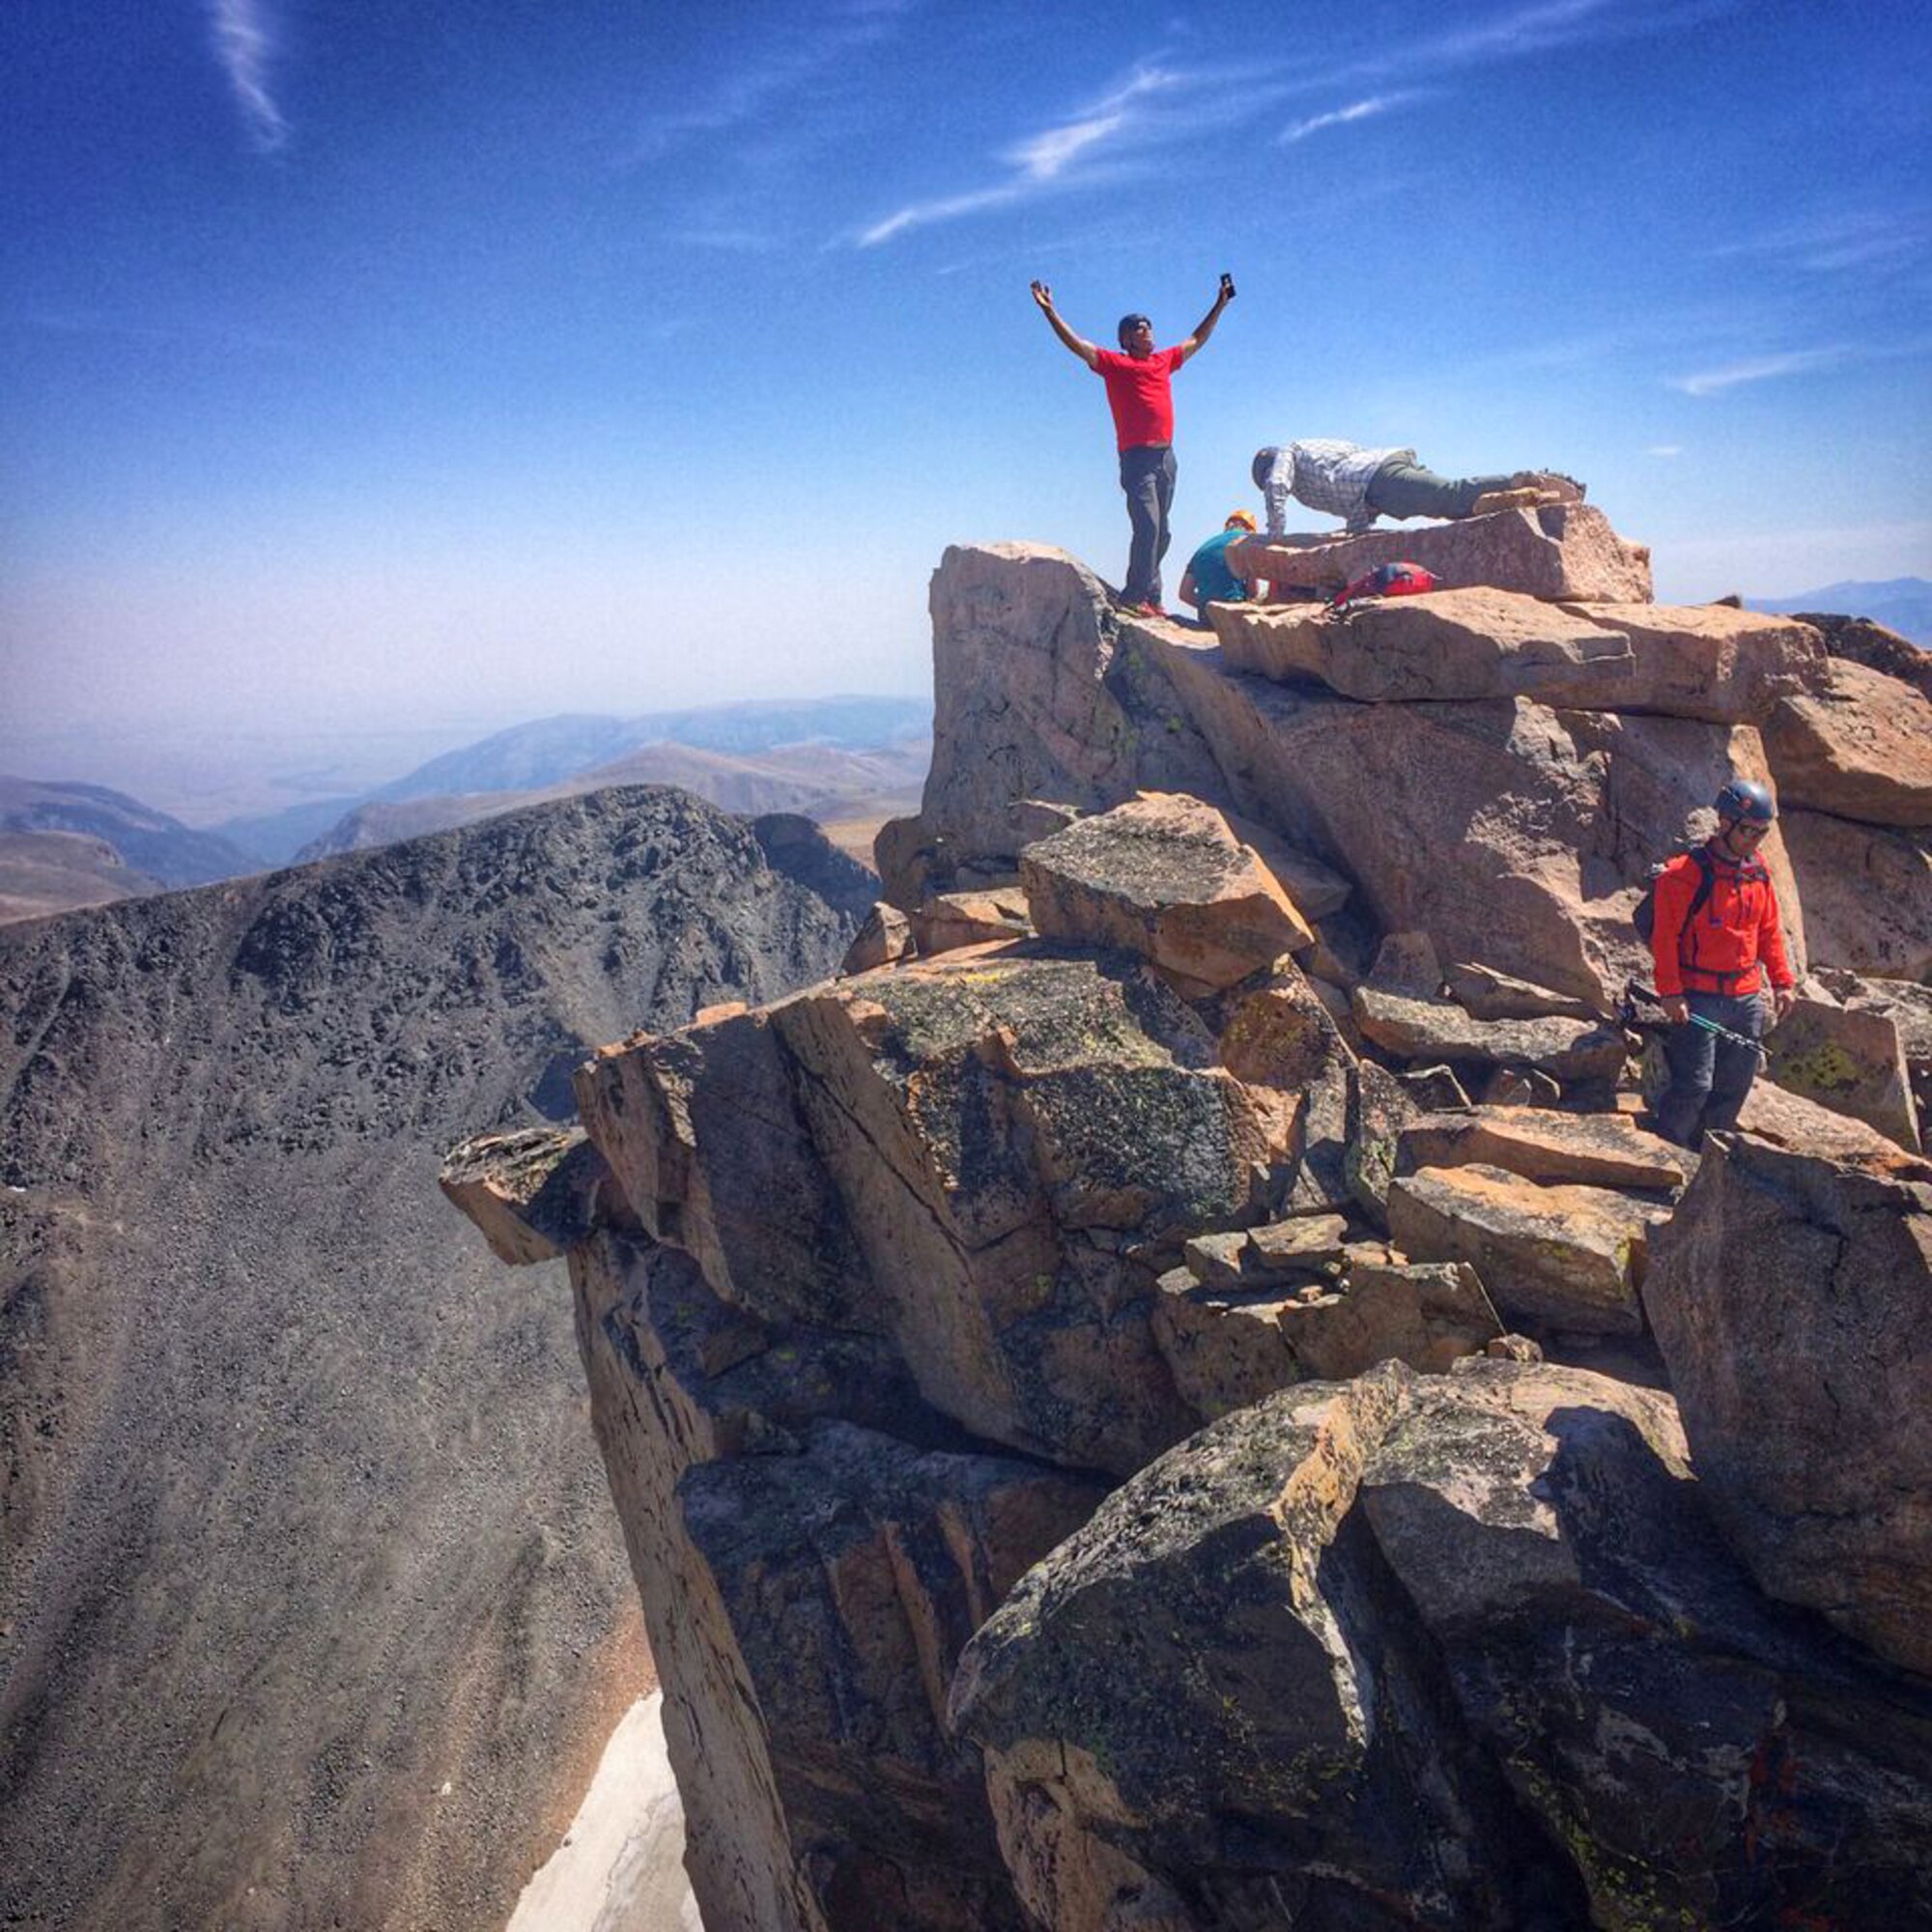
(1710,1077)
(1402,489)
(1146,475)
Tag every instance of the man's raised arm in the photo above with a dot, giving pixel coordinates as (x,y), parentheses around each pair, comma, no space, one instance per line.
(1079,345)
(1204,327)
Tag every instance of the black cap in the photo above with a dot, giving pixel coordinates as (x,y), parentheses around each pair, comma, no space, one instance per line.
(1128,322)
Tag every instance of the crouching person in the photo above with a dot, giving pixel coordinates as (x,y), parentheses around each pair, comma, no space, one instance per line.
(1209,577)
(1716,941)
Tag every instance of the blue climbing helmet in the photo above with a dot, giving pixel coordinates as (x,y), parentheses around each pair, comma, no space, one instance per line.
(1748,800)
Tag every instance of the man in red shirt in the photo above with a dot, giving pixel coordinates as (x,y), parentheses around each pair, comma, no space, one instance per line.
(1715,938)
(1138,379)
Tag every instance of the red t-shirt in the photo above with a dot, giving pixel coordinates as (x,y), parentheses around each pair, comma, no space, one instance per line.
(1139,394)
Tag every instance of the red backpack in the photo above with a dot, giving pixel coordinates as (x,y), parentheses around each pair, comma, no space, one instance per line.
(1386,580)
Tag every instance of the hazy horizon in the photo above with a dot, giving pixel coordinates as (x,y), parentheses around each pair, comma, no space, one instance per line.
(374,374)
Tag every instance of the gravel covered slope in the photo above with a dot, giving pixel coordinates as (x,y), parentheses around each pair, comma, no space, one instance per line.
(312,1605)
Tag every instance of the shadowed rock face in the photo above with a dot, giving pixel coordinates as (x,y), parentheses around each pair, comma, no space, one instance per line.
(1789,1296)
(1867,893)
(302,1524)
(1447,1610)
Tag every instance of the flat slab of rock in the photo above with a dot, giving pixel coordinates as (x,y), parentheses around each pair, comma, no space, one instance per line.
(1711,661)
(1544,1145)
(950,920)
(1862,749)
(1163,876)
(1569,552)
(1849,1060)
(1492,995)
(1413,1029)
(1681,661)
(1790,1121)
(1448,645)
(1867,893)
(1565,1258)
(532,1193)
(1789,1296)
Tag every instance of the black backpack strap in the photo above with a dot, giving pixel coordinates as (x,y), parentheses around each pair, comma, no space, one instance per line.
(1687,938)
(1706,883)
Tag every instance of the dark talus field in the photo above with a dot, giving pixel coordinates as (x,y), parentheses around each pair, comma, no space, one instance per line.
(313,1608)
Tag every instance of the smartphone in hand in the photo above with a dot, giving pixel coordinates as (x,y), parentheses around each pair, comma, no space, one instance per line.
(1228,285)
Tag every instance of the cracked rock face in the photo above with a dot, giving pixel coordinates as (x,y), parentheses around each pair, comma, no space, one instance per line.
(1789,1294)
(1405,1652)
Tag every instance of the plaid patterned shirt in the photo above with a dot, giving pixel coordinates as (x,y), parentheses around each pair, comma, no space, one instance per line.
(1324,475)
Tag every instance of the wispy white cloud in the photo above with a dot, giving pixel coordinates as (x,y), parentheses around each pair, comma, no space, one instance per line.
(1758,369)
(1161,107)
(922,213)
(244,44)
(1542,27)
(1135,114)
(808,53)
(1830,240)
(1342,117)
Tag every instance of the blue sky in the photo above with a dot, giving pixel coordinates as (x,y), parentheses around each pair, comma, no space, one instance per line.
(443,363)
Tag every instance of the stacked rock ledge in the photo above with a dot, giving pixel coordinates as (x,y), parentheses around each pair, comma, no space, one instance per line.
(1056,1378)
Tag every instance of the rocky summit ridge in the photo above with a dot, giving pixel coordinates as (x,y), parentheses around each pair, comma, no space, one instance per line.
(1177,1393)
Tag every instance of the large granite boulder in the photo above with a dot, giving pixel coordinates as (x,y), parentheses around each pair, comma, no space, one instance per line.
(1867,892)
(1561,1259)
(1566,553)
(1036,695)
(1704,661)
(1163,876)
(1711,661)
(1861,749)
(1851,1060)
(1447,1651)
(1873,645)
(1789,1296)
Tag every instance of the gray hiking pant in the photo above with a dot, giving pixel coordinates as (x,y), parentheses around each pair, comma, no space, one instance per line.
(1710,1077)
(1403,489)
(1146,475)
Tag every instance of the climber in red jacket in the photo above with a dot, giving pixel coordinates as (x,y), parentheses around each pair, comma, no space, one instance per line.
(1716,938)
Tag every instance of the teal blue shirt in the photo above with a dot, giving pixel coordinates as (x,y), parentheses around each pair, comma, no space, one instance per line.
(1213,581)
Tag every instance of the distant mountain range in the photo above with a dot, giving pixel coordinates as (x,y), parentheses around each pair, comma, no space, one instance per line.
(1901,604)
(528,756)
(155,851)
(849,760)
